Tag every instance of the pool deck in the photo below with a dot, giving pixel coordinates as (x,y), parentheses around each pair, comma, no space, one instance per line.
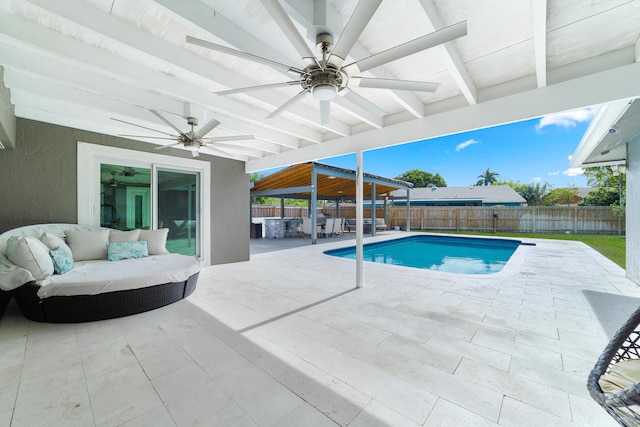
(286,340)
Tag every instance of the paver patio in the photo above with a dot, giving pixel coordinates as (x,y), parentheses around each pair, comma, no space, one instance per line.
(286,340)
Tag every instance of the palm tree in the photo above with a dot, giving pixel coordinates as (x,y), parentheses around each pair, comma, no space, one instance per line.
(487,177)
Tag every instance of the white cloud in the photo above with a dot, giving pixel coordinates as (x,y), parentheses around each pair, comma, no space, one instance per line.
(566,119)
(536,179)
(465,144)
(554,173)
(573,172)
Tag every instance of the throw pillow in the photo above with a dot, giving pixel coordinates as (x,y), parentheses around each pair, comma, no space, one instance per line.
(62,259)
(30,254)
(52,241)
(156,240)
(87,245)
(127,250)
(116,236)
(621,375)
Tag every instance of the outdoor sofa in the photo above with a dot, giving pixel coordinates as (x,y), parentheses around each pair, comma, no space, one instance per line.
(350,224)
(111,274)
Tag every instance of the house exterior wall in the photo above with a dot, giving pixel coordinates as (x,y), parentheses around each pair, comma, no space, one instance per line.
(38,184)
(633,210)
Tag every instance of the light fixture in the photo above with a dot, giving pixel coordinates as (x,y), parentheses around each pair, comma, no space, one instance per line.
(324,92)
(192,147)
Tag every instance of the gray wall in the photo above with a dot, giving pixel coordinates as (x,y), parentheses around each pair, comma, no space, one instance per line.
(38,185)
(633,210)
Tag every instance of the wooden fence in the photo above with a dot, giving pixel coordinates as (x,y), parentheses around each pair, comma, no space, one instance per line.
(528,219)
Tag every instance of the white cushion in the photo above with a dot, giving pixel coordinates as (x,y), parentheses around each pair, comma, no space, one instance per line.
(86,245)
(52,241)
(116,236)
(30,254)
(621,375)
(156,240)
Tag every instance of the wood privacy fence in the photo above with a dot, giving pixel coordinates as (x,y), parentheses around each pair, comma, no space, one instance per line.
(527,219)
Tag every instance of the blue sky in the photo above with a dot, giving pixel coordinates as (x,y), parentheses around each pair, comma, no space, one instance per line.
(530,151)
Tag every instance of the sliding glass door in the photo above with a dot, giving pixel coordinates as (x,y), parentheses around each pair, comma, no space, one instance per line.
(178,209)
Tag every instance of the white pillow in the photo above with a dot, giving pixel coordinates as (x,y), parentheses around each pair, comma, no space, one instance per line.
(52,241)
(116,236)
(30,254)
(156,240)
(87,245)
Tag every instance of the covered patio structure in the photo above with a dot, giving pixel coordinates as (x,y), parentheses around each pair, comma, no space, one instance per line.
(315,181)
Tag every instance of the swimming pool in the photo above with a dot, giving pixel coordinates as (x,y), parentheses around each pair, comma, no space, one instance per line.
(466,255)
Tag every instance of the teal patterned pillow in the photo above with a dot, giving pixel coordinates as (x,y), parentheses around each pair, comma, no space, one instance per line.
(126,250)
(62,259)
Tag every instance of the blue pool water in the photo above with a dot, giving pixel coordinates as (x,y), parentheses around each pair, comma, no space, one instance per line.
(443,253)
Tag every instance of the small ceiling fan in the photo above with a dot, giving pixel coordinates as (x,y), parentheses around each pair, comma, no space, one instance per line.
(191,139)
(327,76)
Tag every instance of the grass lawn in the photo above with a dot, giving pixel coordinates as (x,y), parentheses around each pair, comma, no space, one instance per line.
(613,247)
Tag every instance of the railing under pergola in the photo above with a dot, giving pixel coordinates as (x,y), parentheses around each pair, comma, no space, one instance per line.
(314,181)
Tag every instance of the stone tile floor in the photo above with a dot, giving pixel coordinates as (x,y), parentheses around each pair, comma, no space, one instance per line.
(286,340)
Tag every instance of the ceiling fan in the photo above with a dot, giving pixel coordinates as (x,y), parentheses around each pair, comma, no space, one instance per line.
(327,76)
(191,140)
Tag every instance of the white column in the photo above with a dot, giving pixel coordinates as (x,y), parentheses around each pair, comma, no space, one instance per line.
(359,220)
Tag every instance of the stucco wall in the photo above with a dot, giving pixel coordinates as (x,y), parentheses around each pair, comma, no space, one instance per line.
(633,210)
(38,184)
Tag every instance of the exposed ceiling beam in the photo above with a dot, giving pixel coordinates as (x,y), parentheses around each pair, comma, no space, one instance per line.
(539,9)
(594,89)
(449,55)
(29,34)
(196,13)
(147,45)
(7,117)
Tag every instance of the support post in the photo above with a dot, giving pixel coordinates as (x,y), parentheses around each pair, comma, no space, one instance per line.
(359,220)
(314,210)
(408,211)
(281,207)
(373,208)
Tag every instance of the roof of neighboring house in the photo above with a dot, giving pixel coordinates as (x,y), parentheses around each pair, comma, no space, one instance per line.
(488,194)
(583,191)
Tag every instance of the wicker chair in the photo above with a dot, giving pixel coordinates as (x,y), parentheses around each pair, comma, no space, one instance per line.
(623,405)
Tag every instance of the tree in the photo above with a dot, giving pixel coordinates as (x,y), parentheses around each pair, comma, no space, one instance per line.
(533,193)
(559,196)
(422,179)
(611,187)
(487,177)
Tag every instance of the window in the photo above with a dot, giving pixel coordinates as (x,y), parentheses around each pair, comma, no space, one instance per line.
(125,189)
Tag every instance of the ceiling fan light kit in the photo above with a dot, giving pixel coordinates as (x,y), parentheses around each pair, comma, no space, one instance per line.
(325,77)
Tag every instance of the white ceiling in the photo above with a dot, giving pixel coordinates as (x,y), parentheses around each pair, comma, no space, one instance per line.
(82,63)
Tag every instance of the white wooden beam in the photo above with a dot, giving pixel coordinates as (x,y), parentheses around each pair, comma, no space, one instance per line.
(449,55)
(593,89)
(145,44)
(539,9)
(7,117)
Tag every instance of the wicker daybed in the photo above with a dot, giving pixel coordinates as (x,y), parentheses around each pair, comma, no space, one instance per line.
(95,289)
(623,405)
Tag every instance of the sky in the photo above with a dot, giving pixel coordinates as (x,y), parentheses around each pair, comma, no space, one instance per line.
(527,152)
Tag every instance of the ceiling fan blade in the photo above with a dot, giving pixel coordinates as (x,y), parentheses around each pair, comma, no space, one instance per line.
(287,104)
(364,103)
(228,138)
(162,147)
(243,55)
(395,84)
(161,117)
(359,19)
(279,15)
(260,87)
(146,136)
(208,127)
(325,112)
(416,45)
(143,127)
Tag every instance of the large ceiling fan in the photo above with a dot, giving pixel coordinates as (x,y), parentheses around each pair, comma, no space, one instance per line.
(327,76)
(191,140)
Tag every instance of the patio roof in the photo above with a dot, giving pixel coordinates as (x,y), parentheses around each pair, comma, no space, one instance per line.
(332,183)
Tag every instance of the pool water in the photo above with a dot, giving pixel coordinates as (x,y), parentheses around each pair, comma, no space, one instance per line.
(466,255)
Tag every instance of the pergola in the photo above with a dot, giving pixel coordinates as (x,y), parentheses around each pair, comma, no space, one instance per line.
(312,181)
